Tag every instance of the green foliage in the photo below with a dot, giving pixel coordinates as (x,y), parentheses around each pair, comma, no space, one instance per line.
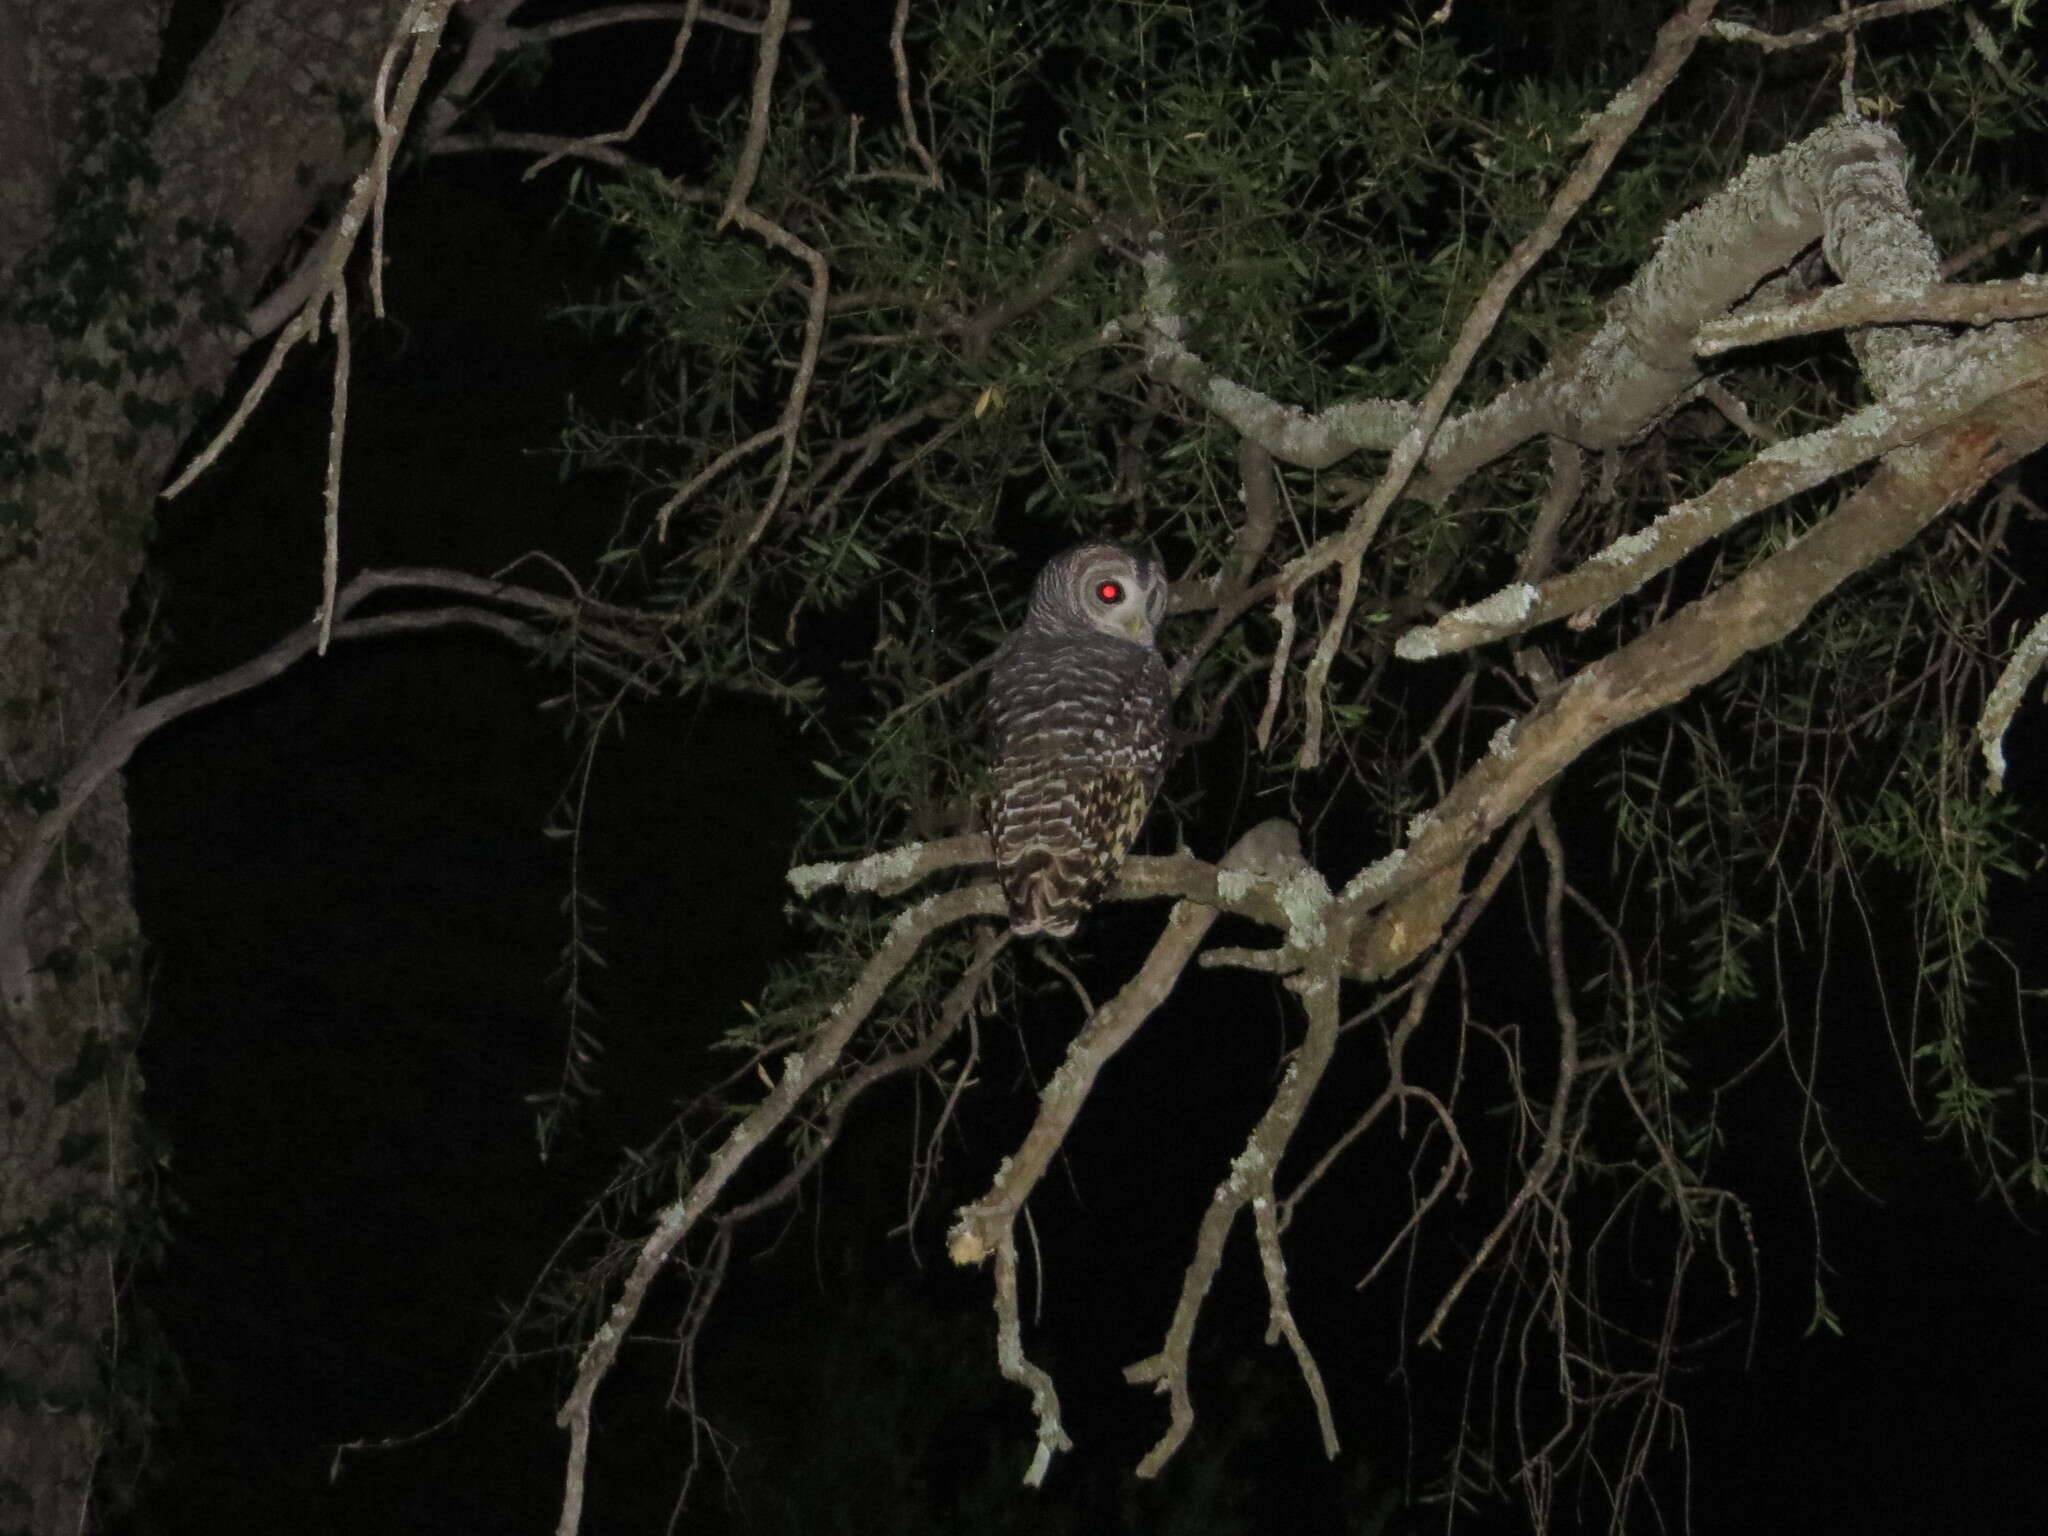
(936,440)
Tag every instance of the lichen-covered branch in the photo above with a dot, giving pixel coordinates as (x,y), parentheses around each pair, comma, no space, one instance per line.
(1840,309)
(2027,660)
(1975,371)
(1843,22)
(1911,488)
(1638,364)
(1287,432)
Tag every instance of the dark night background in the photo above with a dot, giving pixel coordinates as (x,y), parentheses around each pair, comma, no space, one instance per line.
(356,922)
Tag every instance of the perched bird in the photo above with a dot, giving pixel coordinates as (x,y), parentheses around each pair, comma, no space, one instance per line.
(1079,703)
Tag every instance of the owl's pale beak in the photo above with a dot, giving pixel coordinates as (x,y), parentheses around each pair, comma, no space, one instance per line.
(1133,622)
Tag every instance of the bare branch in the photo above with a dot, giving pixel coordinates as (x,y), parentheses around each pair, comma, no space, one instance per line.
(1273,1267)
(1250,1180)
(117,742)
(1018,1367)
(551,146)
(952,1012)
(1567,485)
(987,1227)
(1476,903)
(337,433)
(1841,23)
(1997,241)
(685,25)
(620,15)
(900,62)
(419,29)
(1259,492)
(802,1071)
(1276,676)
(1536,1181)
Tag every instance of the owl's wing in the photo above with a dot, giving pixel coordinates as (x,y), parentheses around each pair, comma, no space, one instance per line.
(1057,862)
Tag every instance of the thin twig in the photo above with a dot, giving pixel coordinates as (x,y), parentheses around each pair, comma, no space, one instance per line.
(685,24)
(1551,1150)
(420,30)
(900,62)
(337,433)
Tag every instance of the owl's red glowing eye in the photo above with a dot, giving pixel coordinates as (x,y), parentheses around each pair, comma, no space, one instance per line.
(1110,591)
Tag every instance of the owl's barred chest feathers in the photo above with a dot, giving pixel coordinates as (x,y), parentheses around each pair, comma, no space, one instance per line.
(1078,701)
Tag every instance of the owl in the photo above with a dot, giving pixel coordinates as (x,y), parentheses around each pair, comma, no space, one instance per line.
(1078,703)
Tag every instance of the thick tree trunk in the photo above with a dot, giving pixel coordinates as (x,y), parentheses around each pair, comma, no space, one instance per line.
(143,201)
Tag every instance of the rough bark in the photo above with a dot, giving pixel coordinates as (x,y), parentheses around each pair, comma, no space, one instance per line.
(138,214)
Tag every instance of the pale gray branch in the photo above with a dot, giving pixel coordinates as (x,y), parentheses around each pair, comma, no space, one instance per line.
(1974,304)
(802,1071)
(1827,27)
(1975,371)
(2028,658)
(1910,489)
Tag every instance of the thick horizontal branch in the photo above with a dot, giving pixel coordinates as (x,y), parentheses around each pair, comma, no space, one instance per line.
(1288,897)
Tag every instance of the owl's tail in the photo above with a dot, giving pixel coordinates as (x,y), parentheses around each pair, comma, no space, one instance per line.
(1058,855)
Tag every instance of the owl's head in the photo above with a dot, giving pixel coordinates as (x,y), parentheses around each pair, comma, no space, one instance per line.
(1112,588)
